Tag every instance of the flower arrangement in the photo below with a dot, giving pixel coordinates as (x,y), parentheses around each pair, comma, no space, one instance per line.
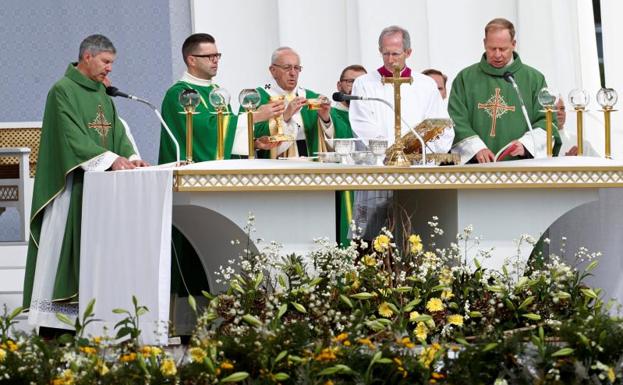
(389,315)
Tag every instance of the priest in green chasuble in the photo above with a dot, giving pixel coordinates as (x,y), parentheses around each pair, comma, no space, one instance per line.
(339,115)
(81,132)
(486,110)
(309,128)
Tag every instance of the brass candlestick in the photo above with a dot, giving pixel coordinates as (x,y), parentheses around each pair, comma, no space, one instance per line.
(607,98)
(250,99)
(397,157)
(549,114)
(219,99)
(580,125)
(189,99)
(579,98)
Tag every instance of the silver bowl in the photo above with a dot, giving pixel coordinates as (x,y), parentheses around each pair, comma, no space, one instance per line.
(328,157)
(362,157)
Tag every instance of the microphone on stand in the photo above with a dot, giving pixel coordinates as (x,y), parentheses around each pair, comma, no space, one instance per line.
(508,76)
(342,97)
(114,92)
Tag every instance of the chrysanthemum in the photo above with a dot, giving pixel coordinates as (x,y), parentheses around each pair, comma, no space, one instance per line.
(413,315)
(455,319)
(168,367)
(369,260)
(197,354)
(381,243)
(385,310)
(434,304)
(421,331)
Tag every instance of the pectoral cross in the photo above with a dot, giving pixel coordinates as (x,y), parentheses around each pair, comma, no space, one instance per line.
(398,158)
(100,124)
(495,107)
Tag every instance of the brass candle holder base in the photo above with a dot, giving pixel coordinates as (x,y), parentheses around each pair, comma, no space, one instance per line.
(280,138)
(397,158)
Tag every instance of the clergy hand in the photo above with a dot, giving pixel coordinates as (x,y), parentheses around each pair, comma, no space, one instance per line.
(293,107)
(518,149)
(573,151)
(485,156)
(264,143)
(324,111)
(122,163)
(269,111)
(140,163)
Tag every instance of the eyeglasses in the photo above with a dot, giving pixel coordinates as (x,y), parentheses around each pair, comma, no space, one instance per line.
(211,56)
(392,54)
(347,81)
(289,67)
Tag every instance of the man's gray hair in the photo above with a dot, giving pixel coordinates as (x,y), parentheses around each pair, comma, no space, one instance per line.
(278,51)
(392,29)
(96,44)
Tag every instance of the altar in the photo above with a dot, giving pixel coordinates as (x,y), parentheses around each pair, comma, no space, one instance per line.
(293,202)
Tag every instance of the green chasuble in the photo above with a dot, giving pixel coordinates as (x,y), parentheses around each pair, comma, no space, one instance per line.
(310,124)
(80,123)
(204,126)
(482,104)
(345,199)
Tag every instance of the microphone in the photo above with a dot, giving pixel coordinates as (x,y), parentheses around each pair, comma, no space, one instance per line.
(508,76)
(341,97)
(114,91)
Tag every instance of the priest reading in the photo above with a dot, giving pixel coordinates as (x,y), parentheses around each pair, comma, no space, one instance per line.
(81,132)
(486,109)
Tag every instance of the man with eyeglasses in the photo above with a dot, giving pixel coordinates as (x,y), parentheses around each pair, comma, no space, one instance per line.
(201,57)
(420,99)
(370,119)
(310,128)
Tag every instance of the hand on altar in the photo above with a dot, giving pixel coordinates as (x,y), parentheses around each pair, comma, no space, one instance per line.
(122,163)
(518,149)
(485,156)
(573,151)
(293,107)
(140,163)
(269,111)
(264,143)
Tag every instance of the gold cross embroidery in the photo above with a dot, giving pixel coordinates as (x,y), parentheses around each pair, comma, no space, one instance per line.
(100,124)
(495,108)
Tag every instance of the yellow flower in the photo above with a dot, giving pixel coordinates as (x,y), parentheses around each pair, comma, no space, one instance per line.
(416,244)
(12,346)
(447,294)
(413,315)
(66,378)
(421,331)
(2,354)
(611,375)
(329,382)
(381,243)
(455,319)
(326,354)
(97,340)
(385,310)
(406,341)
(398,361)
(88,350)
(129,357)
(150,351)
(197,354)
(102,368)
(429,353)
(168,367)
(369,260)
(226,365)
(367,342)
(446,278)
(434,304)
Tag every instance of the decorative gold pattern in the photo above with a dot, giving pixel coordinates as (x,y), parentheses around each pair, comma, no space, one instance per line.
(21,137)
(396,178)
(100,124)
(495,108)
(9,194)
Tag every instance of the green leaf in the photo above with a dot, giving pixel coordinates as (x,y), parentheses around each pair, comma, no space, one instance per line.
(509,304)
(588,293)
(531,316)
(523,281)
(376,357)
(251,320)
(527,302)
(384,361)
(404,289)
(142,310)
(315,281)
(496,289)
(208,295)
(134,301)
(489,346)
(462,341)
(329,371)
(281,376)
(17,311)
(409,306)
(123,332)
(258,280)
(422,318)
(236,286)
(295,359)
(192,303)
(64,319)
(475,314)
(299,307)
(375,325)
(89,309)
(282,281)
(363,295)
(282,310)
(562,352)
(591,266)
(120,311)
(281,356)
(393,307)
(562,295)
(236,377)
(346,300)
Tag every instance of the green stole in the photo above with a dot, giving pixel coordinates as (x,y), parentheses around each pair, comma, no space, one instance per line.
(483,104)
(345,199)
(80,123)
(310,124)
(204,126)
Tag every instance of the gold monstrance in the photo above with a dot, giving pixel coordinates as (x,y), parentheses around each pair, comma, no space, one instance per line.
(189,99)
(397,157)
